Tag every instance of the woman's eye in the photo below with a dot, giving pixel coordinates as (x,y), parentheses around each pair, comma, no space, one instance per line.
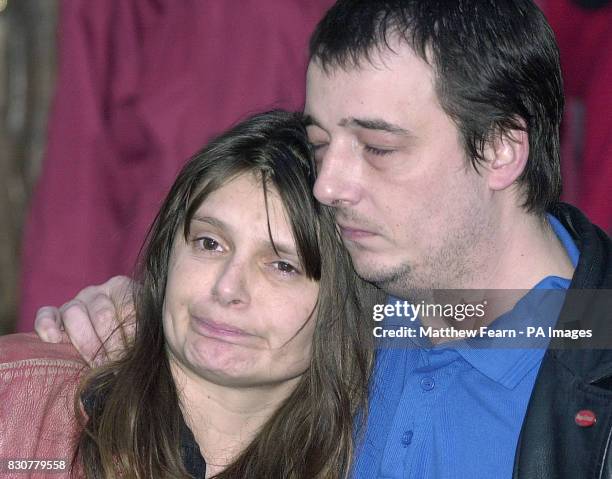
(285,268)
(377,151)
(208,244)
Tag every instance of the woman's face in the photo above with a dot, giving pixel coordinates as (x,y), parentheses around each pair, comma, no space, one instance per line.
(235,312)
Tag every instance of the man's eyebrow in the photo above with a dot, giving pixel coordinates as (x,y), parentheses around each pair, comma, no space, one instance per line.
(366,123)
(374,124)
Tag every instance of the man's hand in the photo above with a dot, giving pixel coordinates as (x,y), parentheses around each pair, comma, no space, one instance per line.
(99,321)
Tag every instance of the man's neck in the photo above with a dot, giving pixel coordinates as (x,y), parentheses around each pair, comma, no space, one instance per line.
(524,250)
(528,250)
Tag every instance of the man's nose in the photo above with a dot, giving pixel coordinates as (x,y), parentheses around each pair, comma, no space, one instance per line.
(231,286)
(338,172)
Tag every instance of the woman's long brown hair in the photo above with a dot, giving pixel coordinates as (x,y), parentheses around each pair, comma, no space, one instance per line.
(132,427)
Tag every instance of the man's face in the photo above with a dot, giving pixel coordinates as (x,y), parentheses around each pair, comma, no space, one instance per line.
(412,212)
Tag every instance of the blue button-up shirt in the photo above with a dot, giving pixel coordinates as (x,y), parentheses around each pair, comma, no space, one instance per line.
(456,412)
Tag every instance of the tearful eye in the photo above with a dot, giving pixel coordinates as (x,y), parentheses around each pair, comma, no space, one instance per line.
(208,244)
(284,267)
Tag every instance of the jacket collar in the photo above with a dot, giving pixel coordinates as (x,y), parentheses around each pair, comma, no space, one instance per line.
(594,269)
(586,307)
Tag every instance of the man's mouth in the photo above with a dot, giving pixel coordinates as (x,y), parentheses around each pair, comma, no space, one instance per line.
(354,232)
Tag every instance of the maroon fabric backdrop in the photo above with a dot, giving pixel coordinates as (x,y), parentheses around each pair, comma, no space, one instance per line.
(142,85)
(585,43)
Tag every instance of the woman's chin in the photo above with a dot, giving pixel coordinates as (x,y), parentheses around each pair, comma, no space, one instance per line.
(218,360)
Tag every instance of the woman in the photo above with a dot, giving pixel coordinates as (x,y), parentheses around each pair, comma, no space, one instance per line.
(251,345)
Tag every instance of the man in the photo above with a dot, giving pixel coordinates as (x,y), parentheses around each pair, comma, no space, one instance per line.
(435,129)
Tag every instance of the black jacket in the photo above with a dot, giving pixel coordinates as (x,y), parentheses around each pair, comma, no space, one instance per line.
(574,378)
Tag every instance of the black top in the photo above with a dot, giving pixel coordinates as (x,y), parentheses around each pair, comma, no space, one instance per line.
(190,452)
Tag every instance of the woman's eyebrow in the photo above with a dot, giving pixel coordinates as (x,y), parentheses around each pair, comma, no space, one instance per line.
(211,221)
(283,248)
(278,246)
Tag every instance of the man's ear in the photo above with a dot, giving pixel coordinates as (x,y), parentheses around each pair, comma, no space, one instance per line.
(506,157)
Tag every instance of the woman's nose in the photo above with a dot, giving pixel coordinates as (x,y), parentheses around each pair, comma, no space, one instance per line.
(231,285)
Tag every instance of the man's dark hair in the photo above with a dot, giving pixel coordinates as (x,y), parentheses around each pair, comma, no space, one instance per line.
(496,67)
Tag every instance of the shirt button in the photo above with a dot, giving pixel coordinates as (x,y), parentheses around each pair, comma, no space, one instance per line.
(428,384)
(406,438)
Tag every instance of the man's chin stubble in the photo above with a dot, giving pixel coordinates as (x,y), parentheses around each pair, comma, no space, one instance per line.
(398,282)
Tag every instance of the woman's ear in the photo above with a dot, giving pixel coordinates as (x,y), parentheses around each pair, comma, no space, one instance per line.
(506,157)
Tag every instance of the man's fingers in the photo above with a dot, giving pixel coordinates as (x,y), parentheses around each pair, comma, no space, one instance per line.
(48,324)
(98,321)
(118,285)
(78,326)
(119,289)
(105,320)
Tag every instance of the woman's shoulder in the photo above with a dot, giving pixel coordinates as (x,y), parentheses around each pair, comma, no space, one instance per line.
(38,386)
(27,350)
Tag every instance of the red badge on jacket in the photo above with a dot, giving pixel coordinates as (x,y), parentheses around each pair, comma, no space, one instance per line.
(585,418)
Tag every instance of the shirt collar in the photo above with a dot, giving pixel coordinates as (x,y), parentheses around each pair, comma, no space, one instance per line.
(565,238)
(539,307)
(509,365)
